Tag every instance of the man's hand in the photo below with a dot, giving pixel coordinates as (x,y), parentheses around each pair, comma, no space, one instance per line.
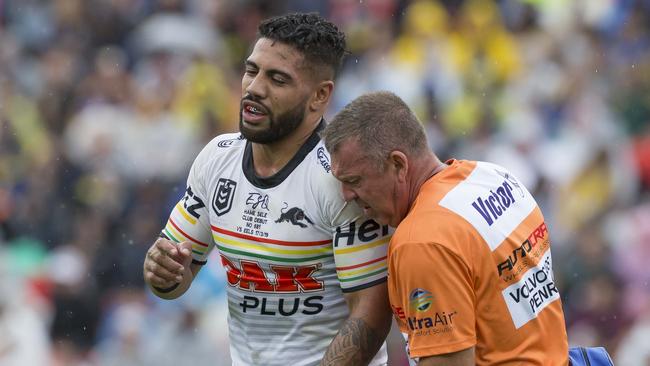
(167,265)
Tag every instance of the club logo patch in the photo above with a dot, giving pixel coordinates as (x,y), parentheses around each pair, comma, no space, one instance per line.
(223,196)
(294,215)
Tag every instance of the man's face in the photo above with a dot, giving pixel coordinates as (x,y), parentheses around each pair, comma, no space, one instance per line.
(275,92)
(375,189)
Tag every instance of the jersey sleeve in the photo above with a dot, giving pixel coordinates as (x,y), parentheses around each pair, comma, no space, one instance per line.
(189,219)
(360,246)
(435,297)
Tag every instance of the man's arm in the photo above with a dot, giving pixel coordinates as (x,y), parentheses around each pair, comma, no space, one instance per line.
(365,330)
(168,268)
(460,358)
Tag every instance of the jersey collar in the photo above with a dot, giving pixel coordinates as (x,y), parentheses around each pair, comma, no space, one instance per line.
(280,176)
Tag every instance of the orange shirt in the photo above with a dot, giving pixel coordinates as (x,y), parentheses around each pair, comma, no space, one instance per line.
(471,265)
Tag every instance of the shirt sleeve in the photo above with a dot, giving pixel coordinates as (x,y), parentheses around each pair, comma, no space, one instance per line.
(189,219)
(434,289)
(360,246)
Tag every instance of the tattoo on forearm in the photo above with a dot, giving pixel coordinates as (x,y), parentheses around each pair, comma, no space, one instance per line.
(355,344)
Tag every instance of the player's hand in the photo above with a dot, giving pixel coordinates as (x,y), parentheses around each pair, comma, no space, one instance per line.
(167,263)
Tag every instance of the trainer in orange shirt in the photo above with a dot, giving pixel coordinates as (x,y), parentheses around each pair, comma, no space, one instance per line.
(470,268)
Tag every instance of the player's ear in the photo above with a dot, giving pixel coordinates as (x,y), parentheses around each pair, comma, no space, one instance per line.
(322,94)
(398,161)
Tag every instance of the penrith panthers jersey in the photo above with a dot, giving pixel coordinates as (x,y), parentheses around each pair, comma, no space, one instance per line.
(290,246)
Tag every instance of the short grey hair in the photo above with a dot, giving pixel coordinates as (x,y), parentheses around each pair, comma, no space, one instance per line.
(381,122)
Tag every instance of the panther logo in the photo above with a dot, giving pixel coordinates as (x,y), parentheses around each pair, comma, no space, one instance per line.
(294,215)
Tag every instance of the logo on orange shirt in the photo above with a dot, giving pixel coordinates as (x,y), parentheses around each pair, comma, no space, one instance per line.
(420,299)
(493,206)
(519,261)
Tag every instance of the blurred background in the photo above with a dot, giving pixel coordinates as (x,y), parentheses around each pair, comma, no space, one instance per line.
(105,103)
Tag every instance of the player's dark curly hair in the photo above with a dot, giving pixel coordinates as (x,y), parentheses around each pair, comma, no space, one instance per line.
(319,40)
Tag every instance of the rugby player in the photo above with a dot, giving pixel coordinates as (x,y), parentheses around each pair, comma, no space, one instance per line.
(306,271)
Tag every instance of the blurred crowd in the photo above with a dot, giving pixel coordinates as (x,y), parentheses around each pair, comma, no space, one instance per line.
(105,103)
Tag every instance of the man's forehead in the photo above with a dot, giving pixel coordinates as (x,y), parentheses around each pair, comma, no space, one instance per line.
(348,160)
(284,52)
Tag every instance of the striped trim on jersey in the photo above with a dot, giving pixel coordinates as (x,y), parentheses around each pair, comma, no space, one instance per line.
(270,249)
(362,266)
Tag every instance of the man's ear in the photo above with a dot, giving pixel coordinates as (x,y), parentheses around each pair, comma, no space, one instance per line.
(321,96)
(399,162)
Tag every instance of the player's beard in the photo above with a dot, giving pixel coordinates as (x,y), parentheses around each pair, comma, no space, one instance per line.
(279,127)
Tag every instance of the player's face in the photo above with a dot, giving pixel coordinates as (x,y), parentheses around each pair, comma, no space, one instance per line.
(275,92)
(376,190)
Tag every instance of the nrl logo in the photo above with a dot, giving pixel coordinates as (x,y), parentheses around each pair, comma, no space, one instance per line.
(223,195)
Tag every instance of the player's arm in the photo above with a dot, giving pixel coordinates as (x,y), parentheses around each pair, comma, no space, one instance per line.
(360,247)
(365,330)
(460,358)
(168,268)
(176,257)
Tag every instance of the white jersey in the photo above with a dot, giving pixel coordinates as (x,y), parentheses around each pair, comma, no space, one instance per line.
(290,244)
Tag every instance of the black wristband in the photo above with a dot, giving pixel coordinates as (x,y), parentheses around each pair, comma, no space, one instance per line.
(166,290)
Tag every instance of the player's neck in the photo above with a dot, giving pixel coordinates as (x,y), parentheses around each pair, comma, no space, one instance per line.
(269,159)
(427,166)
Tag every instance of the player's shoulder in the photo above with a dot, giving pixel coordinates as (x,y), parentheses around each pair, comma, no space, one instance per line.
(226,141)
(482,172)
(319,161)
(434,221)
(325,189)
(467,194)
(428,222)
(318,169)
(221,145)
(495,170)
